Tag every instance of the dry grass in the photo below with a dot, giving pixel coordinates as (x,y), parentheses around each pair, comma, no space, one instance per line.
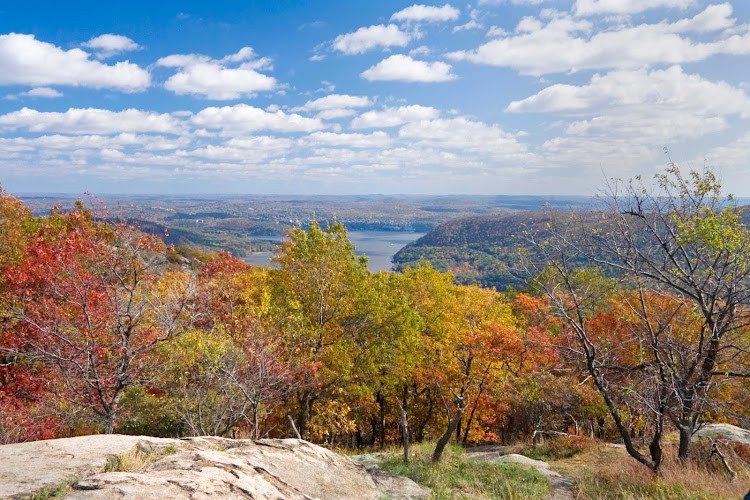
(609,473)
(138,459)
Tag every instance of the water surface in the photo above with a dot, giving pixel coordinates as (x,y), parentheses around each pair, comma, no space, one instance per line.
(378,246)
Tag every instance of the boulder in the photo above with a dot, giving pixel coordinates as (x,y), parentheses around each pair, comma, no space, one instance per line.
(192,468)
(725,431)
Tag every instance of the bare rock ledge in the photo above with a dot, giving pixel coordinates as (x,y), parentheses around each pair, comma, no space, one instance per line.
(193,468)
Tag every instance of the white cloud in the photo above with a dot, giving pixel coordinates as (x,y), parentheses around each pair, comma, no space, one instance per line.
(90,121)
(334,114)
(373,140)
(405,69)
(472,24)
(365,39)
(109,45)
(245,119)
(45,92)
(391,117)
(24,60)
(626,117)
(422,50)
(427,13)
(566,44)
(660,91)
(496,31)
(78,142)
(335,106)
(202,76)
(258,148)
(713,18)
(732,156)
(465,135)
(593,7)
(336,101)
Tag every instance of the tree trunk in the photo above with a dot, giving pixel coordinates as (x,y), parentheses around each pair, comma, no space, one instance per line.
(294,429)
(404,433)
(447,436)
(305,401)
(109,426)
(381,403)
(686,434)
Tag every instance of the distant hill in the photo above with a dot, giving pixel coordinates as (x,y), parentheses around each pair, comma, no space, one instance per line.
(479,249)
(484,249)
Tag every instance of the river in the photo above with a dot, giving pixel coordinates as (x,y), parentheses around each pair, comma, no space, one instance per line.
(379,246)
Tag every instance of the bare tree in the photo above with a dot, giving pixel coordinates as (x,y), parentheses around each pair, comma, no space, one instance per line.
(681,256)
(688,239)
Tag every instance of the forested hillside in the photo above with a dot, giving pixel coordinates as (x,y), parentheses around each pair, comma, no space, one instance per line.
(479,249)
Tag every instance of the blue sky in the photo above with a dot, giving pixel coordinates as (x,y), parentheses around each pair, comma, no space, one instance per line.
(488,97)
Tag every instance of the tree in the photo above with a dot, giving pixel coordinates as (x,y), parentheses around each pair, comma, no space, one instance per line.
(579,297)
(90,301)
(316,289)
(681,258)
(688,239)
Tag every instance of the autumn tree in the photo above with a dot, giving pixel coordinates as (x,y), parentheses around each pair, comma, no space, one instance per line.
(239,371)
(681,258)
(316,289)
(687,239)
(90,301)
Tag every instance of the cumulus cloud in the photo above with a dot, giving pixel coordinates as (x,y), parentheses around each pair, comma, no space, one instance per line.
(109,45)
(465,135)
(662,91)
(213,79)
(392,117)
(426,13)
(336,101)
(405,69)
(593,7)
(89,121)
(373,140)
(627,116)
(45,92)
(335,106)
(365,39)
(243,118)
(24,60)
(567,44)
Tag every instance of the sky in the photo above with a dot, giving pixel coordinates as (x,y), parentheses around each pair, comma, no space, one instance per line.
(359,96)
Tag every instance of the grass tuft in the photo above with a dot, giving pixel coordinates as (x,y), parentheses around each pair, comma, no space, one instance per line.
(137,459)
(456,476)
(62,489)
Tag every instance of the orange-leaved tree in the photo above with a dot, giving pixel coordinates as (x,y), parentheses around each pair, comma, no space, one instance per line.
(89,302)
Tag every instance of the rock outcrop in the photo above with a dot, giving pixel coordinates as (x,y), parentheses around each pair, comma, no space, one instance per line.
(724,431)
(137,467)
